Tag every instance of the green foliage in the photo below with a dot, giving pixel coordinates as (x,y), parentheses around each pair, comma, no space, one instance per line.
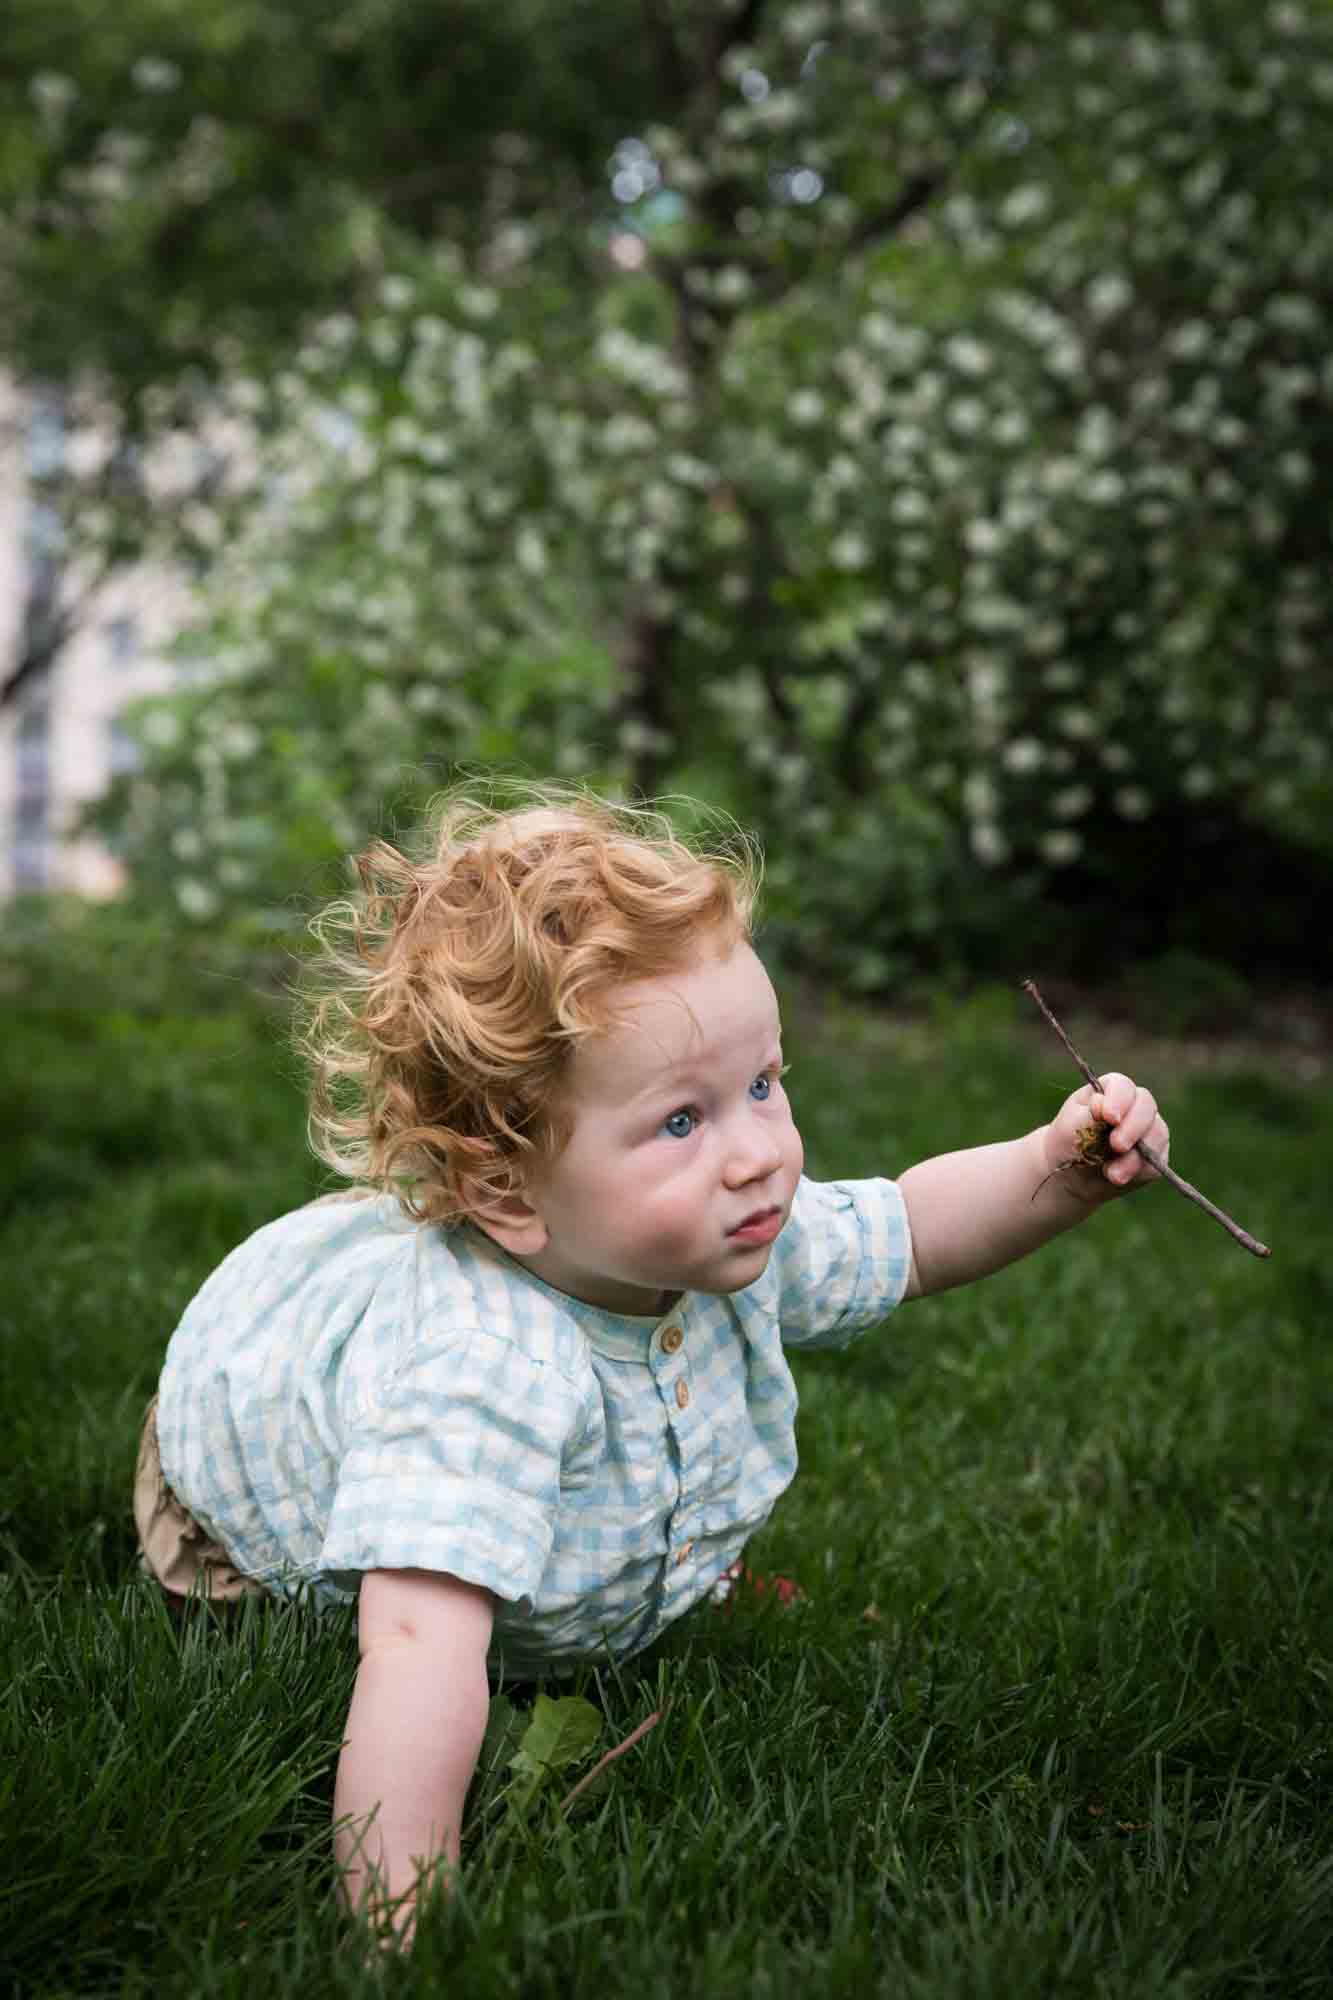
(917,438)
(219,172)
(1181,993)
(561,1733)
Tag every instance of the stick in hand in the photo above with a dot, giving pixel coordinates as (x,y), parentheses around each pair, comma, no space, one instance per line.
(1150,1153)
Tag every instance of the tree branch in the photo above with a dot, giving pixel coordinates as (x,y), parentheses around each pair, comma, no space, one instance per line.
(647,643)
(670,56)
(734,31)
(1150,1154)
(635,1736)
(915,194)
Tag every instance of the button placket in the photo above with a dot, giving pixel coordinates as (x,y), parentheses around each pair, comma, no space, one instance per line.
(674,1385)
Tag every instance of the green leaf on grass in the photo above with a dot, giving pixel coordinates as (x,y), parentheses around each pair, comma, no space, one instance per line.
(561,1733)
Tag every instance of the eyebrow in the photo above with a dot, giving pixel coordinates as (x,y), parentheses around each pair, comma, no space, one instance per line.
(682,1075)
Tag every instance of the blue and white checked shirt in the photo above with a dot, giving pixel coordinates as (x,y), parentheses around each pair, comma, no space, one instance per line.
(351,1390)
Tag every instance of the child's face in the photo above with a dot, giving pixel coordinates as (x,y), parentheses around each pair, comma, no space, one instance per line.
(683,1160)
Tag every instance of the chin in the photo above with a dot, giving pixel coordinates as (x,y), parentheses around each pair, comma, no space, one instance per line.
(761,1253)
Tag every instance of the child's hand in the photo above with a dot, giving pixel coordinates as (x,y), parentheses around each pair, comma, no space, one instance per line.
(1130,1112)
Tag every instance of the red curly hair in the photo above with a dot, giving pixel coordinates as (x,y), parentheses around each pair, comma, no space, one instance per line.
(446,998)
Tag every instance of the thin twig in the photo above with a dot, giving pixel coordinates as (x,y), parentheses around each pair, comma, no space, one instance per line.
(635,1736)
(1150,1153)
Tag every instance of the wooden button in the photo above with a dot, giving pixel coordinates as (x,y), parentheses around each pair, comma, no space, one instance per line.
(682,1393)
(672,1338)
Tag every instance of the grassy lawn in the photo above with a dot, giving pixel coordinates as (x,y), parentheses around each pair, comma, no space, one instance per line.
(1054,1717)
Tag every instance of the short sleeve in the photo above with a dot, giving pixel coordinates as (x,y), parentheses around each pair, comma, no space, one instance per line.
(457,1467)
(842,1262)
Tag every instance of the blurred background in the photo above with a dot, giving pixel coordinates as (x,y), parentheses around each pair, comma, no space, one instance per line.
(906,426)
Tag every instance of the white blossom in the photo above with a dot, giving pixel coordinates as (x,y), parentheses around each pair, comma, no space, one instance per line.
(1105,488)
(51,92)
(1044,638)
(1293,312)
(196,898)
(842,473)
(155,74)
(1011,427)
(987,682)
(1096,432)
(639,363)
(967,415)
(968,356)
(988,843)
(626,433)
(1190,339)
(530,551)
(1061,846)
(849,551)
(1023,755)
(1199,187)
(1060,475)
(238,741)
(1109,294)
(1025,204)
(478,301)
(983,537)
(995,614)
(779,111)
(160,728)
(690,471)
(733,285)
(1131,801)
(979,795)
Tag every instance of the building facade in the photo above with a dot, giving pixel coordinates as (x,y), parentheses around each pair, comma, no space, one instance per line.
(63,735)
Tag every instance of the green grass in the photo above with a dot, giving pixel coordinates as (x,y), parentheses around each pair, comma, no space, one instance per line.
(1054,1718)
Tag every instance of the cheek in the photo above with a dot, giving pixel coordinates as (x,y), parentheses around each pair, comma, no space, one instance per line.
(663,1209)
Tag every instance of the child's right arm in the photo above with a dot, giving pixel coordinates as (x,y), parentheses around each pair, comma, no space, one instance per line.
(414,1732)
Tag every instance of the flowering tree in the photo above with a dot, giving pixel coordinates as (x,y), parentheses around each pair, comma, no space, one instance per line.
(919,442)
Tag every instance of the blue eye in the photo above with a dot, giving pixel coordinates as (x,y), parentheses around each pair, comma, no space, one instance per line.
(679,1125)
(762,1088)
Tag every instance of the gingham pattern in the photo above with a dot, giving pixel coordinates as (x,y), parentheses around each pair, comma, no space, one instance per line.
(350,1391)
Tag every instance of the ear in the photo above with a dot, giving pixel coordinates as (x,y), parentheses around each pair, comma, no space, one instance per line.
(512,1222)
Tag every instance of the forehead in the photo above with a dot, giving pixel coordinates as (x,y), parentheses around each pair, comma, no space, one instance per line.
(720,1006)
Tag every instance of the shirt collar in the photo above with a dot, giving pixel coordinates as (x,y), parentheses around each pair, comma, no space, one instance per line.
(621,1336)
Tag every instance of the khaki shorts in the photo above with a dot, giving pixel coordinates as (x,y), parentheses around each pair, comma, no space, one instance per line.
(172,1545)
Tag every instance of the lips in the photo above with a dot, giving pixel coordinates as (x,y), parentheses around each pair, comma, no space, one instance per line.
(761,1227)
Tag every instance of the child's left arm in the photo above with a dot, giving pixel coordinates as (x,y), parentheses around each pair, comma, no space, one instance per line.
(975,1211)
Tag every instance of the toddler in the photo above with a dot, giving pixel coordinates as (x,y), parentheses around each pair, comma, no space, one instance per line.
(521,1391)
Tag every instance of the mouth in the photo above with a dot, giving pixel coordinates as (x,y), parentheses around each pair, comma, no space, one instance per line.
(761,1227)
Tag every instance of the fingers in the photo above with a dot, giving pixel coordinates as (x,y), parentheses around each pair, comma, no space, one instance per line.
(1132,1111)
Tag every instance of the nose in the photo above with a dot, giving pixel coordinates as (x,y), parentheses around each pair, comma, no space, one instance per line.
(754,1153)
